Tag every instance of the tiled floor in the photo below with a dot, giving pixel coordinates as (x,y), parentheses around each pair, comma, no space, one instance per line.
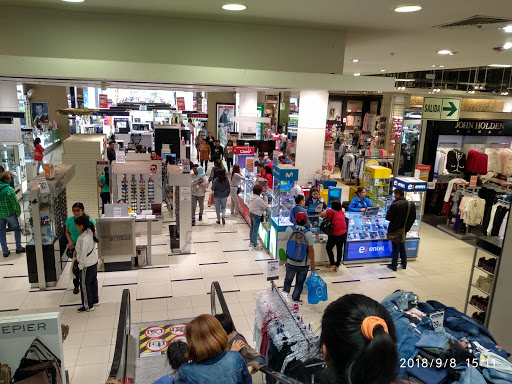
(178,287)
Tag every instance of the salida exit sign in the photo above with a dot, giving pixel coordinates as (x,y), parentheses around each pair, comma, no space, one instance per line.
(438,108)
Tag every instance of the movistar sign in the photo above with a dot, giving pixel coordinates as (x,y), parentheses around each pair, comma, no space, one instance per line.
(286,172)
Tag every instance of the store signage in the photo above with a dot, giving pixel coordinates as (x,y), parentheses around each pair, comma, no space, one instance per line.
(181,103)
(437,320)
(368,250)
(272,270)
(43,185)
(410,184)
(120,157)
(249,164)
(437,108)
(103,101)
(286,172)
(185,163)
(431,185)
(473,181)
(244,150)
(185,194)
(197,115)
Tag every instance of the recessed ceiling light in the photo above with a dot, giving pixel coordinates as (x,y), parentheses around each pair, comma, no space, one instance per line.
(507,45)
(383,70)
(355,61)
(357,74)
(73,1)
(445,52)
(500,65)
(234,7)
(508,29)
(433,66)
(407,8)
(441,66)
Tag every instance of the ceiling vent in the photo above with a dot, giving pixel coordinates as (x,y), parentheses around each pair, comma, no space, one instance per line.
(478,22)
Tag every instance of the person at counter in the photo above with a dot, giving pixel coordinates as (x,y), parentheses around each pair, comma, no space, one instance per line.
(300,206)
(339,234)
(268,176)
(315,198)
(260,160)
(111,152)
(72,234)
(154,156)
(104,184)
(121,201)
(360,202)
(38,153)
(292,158)
(87,257)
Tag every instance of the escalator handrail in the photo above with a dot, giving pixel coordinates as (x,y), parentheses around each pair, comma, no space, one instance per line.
(224,306)
(123,329)
(283,379)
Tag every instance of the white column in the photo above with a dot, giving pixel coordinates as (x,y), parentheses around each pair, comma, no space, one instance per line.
(311,133)
(8,96)
(248,107)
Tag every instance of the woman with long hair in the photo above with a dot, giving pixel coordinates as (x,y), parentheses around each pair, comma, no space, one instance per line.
(229,154)
(38,154)
(87,256)
(338,237)
(217,166)
(221,190)
(268,177)
(104,184)
(236,180)
(210,362)
(72,234)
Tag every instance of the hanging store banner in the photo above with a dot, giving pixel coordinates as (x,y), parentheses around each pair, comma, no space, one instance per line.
(103,101)
(181,103)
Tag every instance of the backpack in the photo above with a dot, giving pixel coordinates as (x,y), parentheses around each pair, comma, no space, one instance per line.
(297,246)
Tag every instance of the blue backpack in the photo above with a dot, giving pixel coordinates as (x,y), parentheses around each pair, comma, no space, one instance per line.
(297,246)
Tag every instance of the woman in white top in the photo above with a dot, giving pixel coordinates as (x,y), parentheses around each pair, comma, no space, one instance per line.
(236,180)
(257,206)
(87,258)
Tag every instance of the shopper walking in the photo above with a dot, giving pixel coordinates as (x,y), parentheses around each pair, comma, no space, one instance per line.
(217,152)
(358,341)
(217,166)
(360,202)
(2,170)
(300,206)
(315,198)
(236,181)
(221,190)
(104,184)
(87,256)
(10,210)
(210,140)
(38,154)
(72,234)
(210,362)
(229,155)
(339,234)
(299,255)
(258,204)
(111,152)
(204,154)
(401,216)
(199,185)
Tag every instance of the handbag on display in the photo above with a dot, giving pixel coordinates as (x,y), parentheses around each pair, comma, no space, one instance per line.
(5,374)
(45,369)
(327,226)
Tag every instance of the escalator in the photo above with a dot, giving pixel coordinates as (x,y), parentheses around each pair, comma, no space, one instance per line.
(140,357)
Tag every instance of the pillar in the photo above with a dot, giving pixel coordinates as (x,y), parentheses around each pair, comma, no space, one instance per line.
(248,108)
(311,133)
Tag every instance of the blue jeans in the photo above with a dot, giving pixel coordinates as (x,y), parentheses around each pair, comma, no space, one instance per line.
(220,203)
(398,248)
(300,274)
(13,223)
(255,226)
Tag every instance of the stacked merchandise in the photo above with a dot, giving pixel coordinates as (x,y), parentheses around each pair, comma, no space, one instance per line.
(461,351)
(289,345)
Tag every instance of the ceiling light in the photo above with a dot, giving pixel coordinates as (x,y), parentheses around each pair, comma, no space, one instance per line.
(434,66)
(500,65)
(507,45)
(407,8)
(355,61)
(383,70)
(73,1)
(357,74)
(441,66)
(445,52)
(504,93)
(508,29)
(405,79)
(233,7)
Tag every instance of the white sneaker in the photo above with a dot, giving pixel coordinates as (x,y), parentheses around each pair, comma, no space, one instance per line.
(96,305)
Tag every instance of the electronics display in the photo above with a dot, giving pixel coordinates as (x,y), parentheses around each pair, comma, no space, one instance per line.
(376,180)
(363,227)
(12,158)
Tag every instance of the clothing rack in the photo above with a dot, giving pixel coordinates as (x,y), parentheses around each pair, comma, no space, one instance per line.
(466,190)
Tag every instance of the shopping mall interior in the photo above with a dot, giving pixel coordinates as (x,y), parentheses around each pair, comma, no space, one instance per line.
(262,162)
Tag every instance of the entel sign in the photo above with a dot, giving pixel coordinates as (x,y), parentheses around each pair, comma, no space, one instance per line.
(244,150)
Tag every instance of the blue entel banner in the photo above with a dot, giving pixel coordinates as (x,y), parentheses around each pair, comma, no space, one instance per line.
(367,250)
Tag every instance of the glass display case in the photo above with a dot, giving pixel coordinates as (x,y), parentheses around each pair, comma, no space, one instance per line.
(414,192)
(13,161)
(411,133)
(376,180)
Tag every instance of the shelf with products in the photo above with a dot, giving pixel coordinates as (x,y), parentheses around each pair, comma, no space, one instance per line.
(376,180)
(414,190)
(12,158)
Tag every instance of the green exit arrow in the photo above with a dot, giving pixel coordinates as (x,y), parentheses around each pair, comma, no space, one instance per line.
(452,108)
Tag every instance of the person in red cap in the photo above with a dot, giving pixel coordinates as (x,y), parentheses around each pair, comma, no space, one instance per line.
(299,255)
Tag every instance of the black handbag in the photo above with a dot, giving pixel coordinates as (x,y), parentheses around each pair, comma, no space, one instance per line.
(46,362)
(327,226)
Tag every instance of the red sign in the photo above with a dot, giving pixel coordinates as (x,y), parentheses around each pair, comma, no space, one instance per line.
(423,167)
(103,101)
(197,115)
(181,103)
(473,181)
(244,150)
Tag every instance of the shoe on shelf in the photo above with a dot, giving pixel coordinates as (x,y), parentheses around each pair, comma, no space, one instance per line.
(200,217)
(218,222)
(223,221)
(21,250)
(7,254)
(392,267)
(76,291)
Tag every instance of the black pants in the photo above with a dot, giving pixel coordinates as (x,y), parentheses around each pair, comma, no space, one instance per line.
(339,242)
(105,199)
(204,164)
(89,283)
(229,162)
(398,248)
(76,279)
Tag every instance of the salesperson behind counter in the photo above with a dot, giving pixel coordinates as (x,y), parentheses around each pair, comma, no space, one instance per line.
(360,202)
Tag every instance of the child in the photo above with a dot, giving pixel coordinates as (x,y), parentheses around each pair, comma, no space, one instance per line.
(176,358)
(87,257)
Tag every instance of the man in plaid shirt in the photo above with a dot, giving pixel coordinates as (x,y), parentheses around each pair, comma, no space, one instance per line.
(9,212)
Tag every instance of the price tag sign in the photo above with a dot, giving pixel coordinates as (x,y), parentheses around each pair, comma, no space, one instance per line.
(437,320)
(473,181)
(185,193)
(117,212)
(186,165)
(431,185)
(120,157)
(43,185)
(272,270)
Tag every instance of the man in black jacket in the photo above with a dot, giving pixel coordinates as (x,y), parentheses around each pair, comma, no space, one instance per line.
(217,151)
(111,152)
(401,216)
